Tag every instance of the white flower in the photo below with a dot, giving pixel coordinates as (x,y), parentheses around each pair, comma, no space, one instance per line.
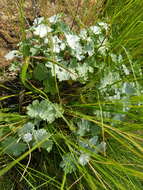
(11,55)
(95,29)
(42,30)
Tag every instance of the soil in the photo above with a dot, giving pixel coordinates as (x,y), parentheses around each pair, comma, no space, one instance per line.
(9,29)
(10,24)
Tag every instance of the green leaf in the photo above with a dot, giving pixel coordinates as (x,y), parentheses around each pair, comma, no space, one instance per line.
(109,78)
(86,127)
(15,66)
(13,147)
(93,141)
(62,28)
(27,128)
(68,163)
(25,48)
(83,70)
(84,159)
(48,145)
(41,134)
(27,137)
(44,110)
(49,84)
(40,72)
(26,132)
(129,89)
(101,147)
(62,74)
